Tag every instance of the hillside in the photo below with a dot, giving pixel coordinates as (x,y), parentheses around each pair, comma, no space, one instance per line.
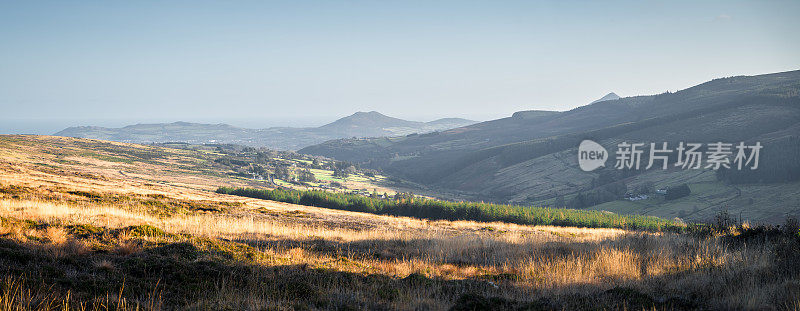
(360,124)
(530,158)
(88,224)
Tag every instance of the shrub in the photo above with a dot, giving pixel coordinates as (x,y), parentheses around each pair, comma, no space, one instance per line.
(678,192)
(791,226)
(723,221)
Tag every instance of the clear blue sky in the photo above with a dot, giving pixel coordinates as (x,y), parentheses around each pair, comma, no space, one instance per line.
(263,60)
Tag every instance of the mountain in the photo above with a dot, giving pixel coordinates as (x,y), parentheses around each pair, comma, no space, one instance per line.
(375,124)
(609,96)
(530,157)
(367,124)
(360,124)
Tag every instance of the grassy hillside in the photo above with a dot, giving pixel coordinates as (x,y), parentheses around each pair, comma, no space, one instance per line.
(100,225)
(532,160)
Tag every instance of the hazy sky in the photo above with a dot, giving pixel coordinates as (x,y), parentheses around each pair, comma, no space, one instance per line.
(320,60)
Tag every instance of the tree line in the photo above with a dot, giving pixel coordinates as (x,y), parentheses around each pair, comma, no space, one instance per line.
(445,210)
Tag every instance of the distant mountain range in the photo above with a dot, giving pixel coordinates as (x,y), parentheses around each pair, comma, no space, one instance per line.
(360,124)
(531,157)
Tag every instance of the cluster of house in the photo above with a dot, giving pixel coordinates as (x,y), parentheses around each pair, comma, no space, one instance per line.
(262,177)
(364,192)
(326,186)
(637,197)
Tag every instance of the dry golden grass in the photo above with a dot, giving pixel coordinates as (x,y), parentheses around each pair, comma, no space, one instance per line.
(525,261)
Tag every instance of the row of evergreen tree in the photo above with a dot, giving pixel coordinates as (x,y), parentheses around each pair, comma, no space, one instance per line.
(445,210)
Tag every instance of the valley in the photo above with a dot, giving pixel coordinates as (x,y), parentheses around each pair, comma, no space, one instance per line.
(530,158)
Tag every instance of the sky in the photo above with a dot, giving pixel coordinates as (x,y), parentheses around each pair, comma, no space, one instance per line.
(277,63)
